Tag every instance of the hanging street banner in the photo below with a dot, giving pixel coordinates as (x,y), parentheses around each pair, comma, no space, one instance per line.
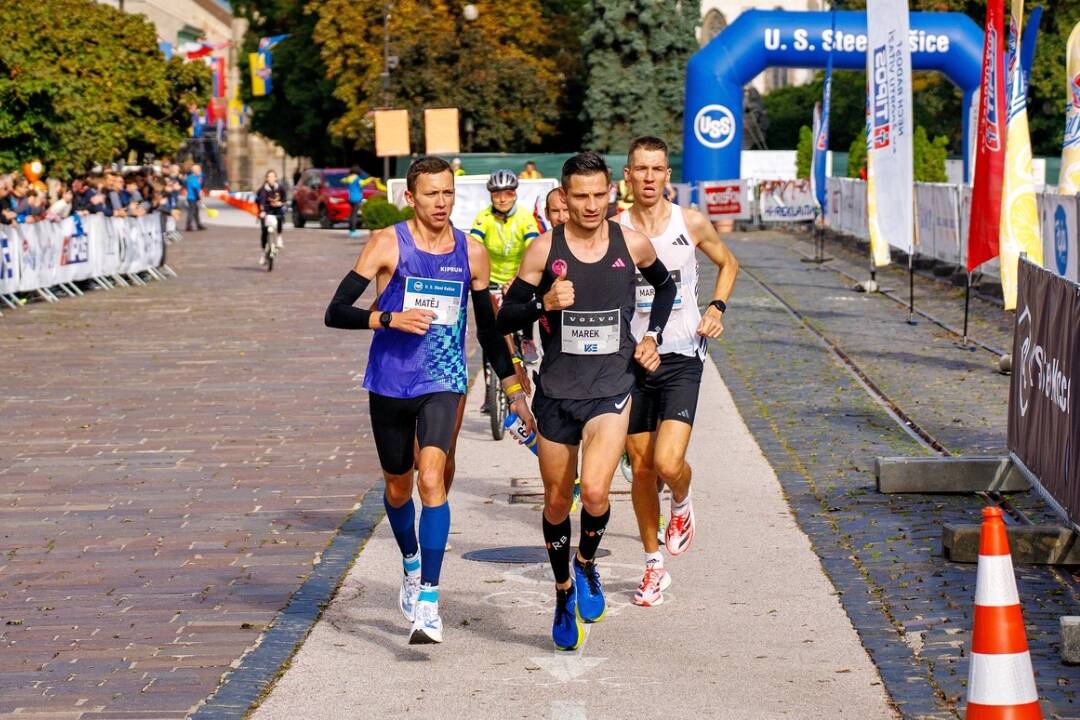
(1069,182)
(985,225)
(888,62)
(1019,211)
(1044,431)
(821,136)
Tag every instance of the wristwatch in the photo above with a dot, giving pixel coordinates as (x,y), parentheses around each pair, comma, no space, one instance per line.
(385,319)
(657,337)
(719,305)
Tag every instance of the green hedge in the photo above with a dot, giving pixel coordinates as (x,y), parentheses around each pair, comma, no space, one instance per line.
(377,212)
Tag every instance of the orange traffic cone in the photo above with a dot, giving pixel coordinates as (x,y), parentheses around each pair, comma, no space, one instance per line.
(1001,683)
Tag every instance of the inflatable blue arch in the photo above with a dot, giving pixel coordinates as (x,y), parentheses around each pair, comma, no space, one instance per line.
(758,39)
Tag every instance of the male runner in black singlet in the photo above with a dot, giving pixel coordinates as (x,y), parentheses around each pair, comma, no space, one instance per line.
(578,280)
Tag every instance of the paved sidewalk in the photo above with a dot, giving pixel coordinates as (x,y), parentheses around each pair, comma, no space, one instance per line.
(751,626)
(173,458)
(821,431)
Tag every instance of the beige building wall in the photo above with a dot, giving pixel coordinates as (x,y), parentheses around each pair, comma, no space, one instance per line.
(718,14)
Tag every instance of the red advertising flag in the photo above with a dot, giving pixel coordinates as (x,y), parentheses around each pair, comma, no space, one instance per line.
(985,223)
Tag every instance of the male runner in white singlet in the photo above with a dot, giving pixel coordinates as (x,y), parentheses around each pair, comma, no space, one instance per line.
(664,401)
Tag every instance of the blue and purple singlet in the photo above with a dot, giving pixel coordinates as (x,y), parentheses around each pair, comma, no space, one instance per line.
(403,365)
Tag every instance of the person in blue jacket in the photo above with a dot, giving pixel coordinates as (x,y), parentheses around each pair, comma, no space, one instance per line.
(193,185)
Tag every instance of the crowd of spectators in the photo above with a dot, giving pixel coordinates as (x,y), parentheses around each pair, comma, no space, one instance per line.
(161,189)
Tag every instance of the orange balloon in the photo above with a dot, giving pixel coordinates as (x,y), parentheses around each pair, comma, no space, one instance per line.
(33,170)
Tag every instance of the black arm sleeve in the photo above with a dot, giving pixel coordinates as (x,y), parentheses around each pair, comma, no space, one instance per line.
(340,313)
(490,339)
(520,308)
(658,276)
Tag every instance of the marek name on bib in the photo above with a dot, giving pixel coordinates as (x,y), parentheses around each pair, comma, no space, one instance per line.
(590,333)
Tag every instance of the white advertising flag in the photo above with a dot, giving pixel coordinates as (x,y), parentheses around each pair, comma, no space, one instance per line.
(891,126)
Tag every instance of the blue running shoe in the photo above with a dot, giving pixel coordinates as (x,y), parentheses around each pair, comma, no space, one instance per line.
(591,606)
(567,631)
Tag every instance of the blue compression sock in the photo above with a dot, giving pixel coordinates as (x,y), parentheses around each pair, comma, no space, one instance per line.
(403,523)
(434,530)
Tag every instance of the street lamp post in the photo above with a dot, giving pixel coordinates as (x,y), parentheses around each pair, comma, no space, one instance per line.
(386,75)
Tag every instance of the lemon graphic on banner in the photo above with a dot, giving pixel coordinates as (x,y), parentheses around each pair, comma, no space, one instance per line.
(1069,182)
(1019,210)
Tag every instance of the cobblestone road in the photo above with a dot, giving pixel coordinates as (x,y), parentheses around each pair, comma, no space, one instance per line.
(821,431)
(172,460)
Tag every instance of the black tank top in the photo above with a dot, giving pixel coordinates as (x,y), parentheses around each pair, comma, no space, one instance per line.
(588,348)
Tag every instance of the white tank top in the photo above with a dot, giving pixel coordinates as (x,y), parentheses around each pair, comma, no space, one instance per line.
(677,251)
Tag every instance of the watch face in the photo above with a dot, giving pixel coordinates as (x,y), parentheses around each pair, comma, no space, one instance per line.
(385,319)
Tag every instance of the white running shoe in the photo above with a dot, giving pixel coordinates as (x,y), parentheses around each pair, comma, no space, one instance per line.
(680,531)
(262,258)
(280,241)
(427,625)
(654,582)
(410,590)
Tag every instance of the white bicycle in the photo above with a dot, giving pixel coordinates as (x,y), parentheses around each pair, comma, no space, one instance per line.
(274,239)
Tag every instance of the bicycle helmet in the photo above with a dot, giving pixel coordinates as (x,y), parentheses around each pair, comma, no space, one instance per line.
(502,180)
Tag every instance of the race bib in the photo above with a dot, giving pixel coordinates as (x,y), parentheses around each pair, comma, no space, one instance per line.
(590,333)
(443,297)
(645,292)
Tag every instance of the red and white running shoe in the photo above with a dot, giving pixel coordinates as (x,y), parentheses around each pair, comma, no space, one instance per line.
(680,531)
(653,584)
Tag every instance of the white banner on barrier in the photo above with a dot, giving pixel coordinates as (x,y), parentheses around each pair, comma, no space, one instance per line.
(726,200)
(786,201)
(1059,230)
(10,258)
(43,254)
(472,196)
(938,222)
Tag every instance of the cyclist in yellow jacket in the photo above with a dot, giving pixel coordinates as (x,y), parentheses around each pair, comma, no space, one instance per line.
(506,229)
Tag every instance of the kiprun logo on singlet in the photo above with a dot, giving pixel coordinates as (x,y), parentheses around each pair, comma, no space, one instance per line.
(451,269)
(714,126)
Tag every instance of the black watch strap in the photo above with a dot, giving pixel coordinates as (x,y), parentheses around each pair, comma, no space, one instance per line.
(385,319)
(719,305)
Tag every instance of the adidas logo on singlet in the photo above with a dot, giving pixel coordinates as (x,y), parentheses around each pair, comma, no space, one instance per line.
(618,263)
(681,240)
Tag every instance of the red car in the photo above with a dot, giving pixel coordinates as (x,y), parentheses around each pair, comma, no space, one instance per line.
(320,195)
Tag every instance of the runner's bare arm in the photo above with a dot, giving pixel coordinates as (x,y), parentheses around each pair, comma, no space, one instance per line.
(521,307)
(490,339)
(656,274)
(708,241)
(377,259)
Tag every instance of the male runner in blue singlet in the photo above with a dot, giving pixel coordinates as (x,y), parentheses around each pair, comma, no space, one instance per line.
(425,270)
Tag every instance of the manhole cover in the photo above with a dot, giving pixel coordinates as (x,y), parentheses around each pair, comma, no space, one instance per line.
(516,554)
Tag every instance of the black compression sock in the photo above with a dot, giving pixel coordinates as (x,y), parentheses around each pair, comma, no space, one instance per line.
(557,540)
(592,529)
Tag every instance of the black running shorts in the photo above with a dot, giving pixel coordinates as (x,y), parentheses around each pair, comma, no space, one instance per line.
(668,393)
(396,422)
(562,421)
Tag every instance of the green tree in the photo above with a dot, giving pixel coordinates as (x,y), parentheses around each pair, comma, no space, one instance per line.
(301,102)
(804,153)
(929,157)
(496,69)
(82,83)
(856,160)
(637,53)
(791,107)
